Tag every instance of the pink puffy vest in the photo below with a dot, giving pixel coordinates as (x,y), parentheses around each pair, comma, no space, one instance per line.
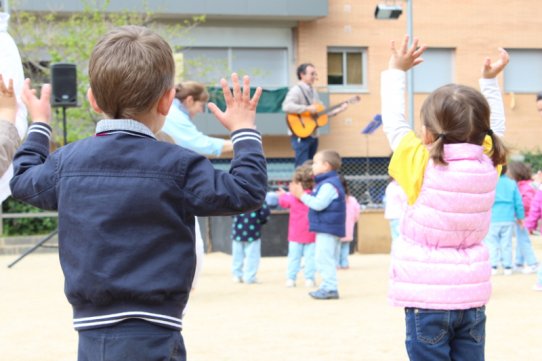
(439,262)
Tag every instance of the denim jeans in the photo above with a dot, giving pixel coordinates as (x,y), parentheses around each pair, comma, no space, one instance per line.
(499,242)
(326,249)
(246,259)
(524,248)
(296,251)
(134,340)
(436,335)
(304,148)
(342,255)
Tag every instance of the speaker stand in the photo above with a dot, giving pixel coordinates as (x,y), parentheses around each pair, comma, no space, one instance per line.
(55,232)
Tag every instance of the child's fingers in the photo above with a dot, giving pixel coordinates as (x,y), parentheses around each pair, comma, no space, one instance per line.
(2,85)
(246,89)
(419,51)
(227,93)
(404,46)
(256,98)
(27,93)
(236,86)
(215,110)
(10,87)
(46,93)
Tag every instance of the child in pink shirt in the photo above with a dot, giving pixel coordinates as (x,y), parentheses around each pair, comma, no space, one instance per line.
(300,240)
(352,216)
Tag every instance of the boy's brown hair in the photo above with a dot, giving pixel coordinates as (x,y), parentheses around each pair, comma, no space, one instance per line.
(332,158)
(303,174)
(130,68)
(519,171)
(191,88)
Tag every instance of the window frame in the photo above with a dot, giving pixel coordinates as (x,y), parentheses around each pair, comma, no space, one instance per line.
(349,88)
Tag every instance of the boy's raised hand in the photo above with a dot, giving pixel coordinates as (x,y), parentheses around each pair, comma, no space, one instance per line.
(240,109)
(406,58)
(8,102)
(38,108)
(491,70)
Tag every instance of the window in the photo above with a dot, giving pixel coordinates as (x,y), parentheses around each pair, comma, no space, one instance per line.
(435,71)
(267,67)
(523,74)
(346,68)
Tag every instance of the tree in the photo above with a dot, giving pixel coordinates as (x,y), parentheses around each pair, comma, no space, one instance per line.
(52,37)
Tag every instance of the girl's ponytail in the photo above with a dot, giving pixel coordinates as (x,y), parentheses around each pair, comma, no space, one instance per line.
(437,150)
(498,150)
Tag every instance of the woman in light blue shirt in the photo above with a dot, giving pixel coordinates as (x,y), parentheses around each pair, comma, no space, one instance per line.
(190,98)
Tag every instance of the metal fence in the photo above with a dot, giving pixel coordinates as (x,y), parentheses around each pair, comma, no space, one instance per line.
(367,178)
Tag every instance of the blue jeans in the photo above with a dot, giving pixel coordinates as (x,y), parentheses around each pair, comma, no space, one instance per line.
(304,148)
(246,259)
(134,340)
(524,248)
(295,252)
(499,242)
(342,255)
(436,335)
(326,250)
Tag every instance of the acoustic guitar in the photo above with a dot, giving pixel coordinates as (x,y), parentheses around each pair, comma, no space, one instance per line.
(304,124)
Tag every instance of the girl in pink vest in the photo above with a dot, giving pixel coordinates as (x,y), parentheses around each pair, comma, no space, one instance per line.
(525,256)
(352,216)
(300,240)
(440,271)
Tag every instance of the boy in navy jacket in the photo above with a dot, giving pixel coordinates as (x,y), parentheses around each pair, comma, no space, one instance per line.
(327,218)
(126,202)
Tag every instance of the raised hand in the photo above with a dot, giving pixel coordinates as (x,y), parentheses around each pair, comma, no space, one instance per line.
(296,189)
(406,58)
(38,108)
(240,109)
(8,102)
(491,70)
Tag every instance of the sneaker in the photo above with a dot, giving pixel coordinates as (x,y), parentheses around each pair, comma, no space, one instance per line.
(527,270)
(494,271)
(237,279)
(507,271)
(310,283)
(251,282)
(290,283)
(322,294)
(537,287)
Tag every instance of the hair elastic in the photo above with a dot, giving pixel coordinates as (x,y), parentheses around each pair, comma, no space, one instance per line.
(490,132)
(441,135)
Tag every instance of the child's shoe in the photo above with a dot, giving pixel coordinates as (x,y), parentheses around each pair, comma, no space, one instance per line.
(537,287)
(529,269)
(310,283)
(494,271)
(290,283)
(322,294)
(237,279)
(507,271)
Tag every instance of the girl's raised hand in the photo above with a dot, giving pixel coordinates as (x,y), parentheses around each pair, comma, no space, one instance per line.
(8,102)
(491,70)
(406,57)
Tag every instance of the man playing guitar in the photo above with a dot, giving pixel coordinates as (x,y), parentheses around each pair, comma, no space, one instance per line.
(302,98)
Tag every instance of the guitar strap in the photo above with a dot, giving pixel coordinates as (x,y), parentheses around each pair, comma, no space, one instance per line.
(304,95)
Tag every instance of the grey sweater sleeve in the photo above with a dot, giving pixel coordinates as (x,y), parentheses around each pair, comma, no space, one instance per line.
(9,142)
(295,101)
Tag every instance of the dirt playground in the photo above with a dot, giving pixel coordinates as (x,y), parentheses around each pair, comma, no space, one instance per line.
(266,321)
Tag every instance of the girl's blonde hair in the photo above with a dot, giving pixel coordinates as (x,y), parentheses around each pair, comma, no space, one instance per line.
(303,174)
(459,114)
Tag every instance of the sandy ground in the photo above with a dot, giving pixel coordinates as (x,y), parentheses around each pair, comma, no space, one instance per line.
(266,321)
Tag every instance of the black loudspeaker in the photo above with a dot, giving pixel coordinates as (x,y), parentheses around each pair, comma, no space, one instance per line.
(64,84)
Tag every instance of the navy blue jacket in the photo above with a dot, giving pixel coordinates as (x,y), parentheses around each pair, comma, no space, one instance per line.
(247,227)
(332,219)
(126,205)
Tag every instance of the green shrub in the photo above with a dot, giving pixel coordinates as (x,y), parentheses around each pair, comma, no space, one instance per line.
(25,226)
(534,160)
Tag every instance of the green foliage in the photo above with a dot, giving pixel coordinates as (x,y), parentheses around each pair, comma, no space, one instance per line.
(51,37)
(534,160)
(25,226)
